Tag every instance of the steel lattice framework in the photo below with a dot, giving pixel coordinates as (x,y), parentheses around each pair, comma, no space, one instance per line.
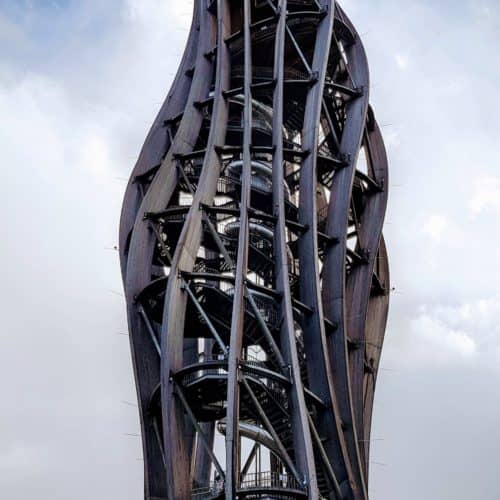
(255,272)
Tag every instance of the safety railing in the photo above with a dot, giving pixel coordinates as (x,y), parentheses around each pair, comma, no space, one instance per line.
(265,72)
(205,371)
(216,367)
(214,489)
(270,479)
(268,310)
(259,480)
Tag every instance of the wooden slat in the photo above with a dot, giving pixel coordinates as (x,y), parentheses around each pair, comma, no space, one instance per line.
(334,293)
(156,144)
(298,410)
(321,383)
(238,314)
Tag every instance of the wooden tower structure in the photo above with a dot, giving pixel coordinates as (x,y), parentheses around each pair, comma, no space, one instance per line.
(255,271)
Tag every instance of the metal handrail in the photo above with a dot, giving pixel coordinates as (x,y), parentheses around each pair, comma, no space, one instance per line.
(269,479)
(213,489)
(217,366)
(253,480)
(267,72)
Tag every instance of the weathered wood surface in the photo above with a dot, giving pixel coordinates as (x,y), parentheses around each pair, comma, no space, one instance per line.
(335,299)
(278,255)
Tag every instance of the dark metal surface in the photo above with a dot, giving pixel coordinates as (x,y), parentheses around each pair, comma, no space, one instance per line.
(252,255)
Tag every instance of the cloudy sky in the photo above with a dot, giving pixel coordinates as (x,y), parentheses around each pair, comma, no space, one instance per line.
(80,83)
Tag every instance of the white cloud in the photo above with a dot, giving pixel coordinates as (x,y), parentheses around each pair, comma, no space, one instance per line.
(478,317)
(402,61)
(153,14)
(22,457)
(392,139)
(485,10)
(96,157)
(442,334)
(10,33)
(435,341)
(486,195)
(63,136)
(435,226)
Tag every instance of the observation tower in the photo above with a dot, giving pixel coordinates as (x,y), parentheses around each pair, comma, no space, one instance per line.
(255,271)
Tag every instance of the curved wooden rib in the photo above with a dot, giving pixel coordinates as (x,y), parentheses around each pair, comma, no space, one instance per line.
(376,276)
(299,413)
(359,281)
(310,404)
(376,320)
(140,261)
(320,380)
(184,258)
(334,296)
(238,315)
(158,140)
